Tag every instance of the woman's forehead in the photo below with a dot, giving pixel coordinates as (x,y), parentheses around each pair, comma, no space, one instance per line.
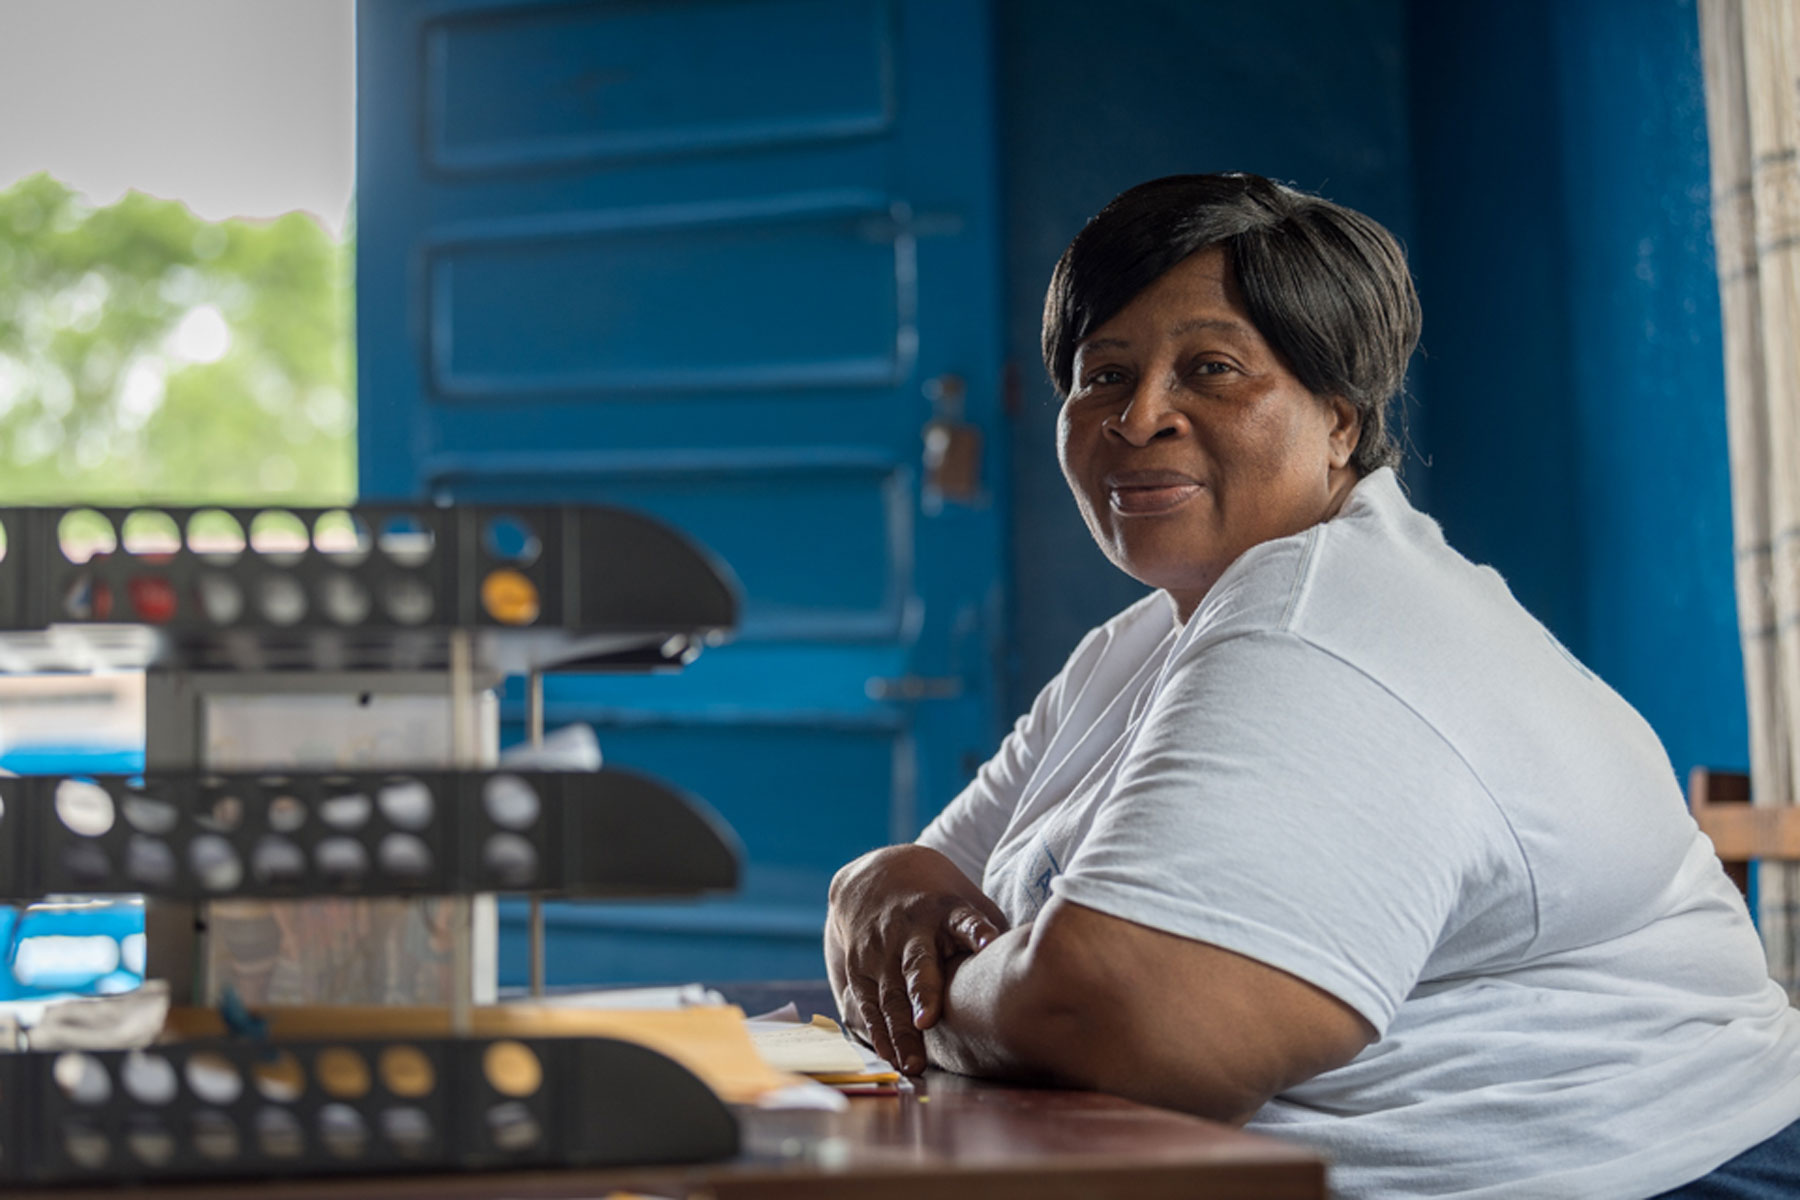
(1197,295)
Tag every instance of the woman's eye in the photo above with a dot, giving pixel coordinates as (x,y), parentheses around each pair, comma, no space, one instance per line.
(1213,367)
(1105,377)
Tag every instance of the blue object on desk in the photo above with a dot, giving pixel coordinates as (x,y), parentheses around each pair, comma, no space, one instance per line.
(72,759)
(95,951)
(80,948)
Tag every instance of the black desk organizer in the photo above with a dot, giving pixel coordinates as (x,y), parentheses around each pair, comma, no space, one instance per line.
(222,1108)
(373,587)
(211,836)
(369,586)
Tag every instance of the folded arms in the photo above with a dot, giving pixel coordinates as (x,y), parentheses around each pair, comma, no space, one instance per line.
(924,964)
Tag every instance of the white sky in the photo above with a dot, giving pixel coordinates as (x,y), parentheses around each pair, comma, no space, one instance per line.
(238,107)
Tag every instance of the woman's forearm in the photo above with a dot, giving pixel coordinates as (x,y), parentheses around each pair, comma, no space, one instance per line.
(995,1022)
(1082,999)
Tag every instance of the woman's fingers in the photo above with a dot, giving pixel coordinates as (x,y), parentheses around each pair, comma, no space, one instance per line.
(903,1036)
(924,980)
(900,918)
(970,928)
(875,1025)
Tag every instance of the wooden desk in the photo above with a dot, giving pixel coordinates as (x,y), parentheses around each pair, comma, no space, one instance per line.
(954,1138)
(950,1137)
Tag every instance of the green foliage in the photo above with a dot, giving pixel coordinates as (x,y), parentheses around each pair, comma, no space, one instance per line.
(147,354)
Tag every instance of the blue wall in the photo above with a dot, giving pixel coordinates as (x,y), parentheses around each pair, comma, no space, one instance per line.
(1656,488)
(1576,416)
(1492,269)
(1545,162)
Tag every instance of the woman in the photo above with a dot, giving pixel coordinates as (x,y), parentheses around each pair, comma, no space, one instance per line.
(1326,835)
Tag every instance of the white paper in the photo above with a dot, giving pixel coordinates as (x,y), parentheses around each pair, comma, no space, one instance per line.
(571,748)
(124,1021)
(686,995)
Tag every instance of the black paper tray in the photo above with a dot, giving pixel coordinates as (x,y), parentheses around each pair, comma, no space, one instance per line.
(364,587)
(211,836)
(230,1108)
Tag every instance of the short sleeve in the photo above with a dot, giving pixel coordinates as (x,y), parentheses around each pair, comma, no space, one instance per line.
(1281,804)
(971,825)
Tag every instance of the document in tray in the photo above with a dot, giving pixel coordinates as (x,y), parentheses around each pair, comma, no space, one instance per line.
(686,995)
(817,1048)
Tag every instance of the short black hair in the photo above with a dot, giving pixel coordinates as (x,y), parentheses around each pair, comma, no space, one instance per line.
(1326,286)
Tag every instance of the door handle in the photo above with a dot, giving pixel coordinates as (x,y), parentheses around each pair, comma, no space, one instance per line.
(915,687)
(952,447)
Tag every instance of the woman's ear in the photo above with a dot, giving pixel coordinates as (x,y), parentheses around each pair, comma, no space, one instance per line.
(1346,430)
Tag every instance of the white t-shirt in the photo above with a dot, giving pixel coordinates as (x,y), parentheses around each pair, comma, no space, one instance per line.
(1362,762)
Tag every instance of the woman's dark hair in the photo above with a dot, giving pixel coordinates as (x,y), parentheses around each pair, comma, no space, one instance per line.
(1326,287)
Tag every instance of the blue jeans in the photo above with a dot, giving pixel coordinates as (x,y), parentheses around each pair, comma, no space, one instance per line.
(1769,1170)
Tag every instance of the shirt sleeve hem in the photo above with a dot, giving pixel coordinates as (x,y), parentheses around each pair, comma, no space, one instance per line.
(1254,940)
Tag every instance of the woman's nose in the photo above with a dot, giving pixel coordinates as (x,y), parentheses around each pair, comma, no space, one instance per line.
(1150,414)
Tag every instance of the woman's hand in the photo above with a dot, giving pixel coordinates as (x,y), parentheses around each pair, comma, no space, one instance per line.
(900,919)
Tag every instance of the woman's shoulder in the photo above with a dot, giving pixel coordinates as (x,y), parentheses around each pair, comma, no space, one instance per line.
(1380,569)
(1120,644)
(1132,633)
(1383,570)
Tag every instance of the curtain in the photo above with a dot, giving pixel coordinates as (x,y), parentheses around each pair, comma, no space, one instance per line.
(1752,62)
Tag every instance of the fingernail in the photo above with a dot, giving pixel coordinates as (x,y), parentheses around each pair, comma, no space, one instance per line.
(914,1064)
(918,1012)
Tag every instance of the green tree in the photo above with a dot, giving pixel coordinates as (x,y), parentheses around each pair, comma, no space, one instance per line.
(148,354)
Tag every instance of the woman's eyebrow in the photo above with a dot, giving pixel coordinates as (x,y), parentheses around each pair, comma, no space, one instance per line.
(1222,324)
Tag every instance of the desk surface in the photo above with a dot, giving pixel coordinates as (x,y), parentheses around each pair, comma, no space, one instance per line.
(953,1137)
(948,1137)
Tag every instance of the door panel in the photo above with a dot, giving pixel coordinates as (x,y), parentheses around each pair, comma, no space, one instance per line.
(788,818)
(595,312)
(720,260)
(585,83)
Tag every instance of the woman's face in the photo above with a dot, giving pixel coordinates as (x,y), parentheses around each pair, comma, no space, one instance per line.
(1187,441)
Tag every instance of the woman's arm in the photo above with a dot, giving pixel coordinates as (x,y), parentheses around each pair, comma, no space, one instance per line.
(1087,1000)
(898,917)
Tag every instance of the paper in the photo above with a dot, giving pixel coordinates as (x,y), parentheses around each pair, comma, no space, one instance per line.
(123,1021)
(570,748)
(805,1049)
(817,1048)
(686,995)
(808,1094)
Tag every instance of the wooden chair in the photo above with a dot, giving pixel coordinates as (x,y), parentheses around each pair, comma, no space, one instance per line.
(1720,802)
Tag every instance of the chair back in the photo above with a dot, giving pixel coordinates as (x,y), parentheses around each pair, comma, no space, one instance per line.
(1720,802)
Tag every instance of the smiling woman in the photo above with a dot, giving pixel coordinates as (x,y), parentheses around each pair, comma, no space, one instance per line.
(1187,440)
(1327,835)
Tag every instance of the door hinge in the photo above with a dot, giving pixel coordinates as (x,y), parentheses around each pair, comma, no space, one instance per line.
(915,687)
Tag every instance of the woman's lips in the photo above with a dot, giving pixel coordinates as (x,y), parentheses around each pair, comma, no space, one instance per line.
(1147,493)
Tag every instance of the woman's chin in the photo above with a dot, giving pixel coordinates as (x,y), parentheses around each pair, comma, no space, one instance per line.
(1171,562)
(1180,580)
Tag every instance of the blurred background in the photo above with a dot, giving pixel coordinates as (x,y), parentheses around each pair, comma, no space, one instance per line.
(773,269)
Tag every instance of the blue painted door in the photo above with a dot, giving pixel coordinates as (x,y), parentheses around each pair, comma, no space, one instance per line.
(732,262)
